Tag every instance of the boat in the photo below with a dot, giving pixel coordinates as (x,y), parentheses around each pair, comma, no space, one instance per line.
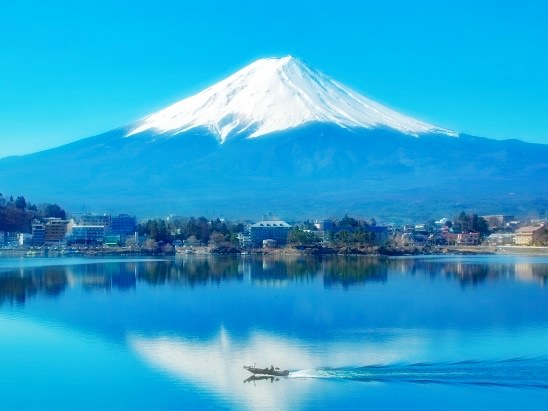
(183,250)
(275,372)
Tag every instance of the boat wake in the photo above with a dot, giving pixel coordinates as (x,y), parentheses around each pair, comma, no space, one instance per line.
(515,372)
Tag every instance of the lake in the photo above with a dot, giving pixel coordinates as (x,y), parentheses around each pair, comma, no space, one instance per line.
(434,332)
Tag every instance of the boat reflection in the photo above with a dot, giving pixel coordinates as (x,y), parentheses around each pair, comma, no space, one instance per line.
(255,378)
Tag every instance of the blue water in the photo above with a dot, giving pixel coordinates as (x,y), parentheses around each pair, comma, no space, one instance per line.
(355,333)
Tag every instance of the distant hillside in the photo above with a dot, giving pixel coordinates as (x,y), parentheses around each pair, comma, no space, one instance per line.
(318,170)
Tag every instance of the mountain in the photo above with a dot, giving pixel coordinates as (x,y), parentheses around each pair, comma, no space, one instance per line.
(279,136)
(272,95)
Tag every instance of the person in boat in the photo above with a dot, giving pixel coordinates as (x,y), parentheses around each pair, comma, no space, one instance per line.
(271,368)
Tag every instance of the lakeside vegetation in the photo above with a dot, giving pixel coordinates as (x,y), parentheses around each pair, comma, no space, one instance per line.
(17,214)
(345,235)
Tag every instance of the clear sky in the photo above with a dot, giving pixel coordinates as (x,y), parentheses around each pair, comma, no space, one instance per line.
(69,70)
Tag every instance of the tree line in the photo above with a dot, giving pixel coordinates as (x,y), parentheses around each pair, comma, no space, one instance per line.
(198,230)
(17,214)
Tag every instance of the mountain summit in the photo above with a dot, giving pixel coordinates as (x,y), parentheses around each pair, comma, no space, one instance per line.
(277,94)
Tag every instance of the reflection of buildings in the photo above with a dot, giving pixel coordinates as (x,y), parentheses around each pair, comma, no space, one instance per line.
(348,271)
(19,286)
(531,272)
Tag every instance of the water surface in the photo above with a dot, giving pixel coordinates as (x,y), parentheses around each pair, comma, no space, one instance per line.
(355,332)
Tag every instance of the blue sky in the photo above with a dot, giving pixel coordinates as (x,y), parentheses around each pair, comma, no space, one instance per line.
(69,70)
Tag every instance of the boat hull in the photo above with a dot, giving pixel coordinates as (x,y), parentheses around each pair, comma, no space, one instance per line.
(267,371)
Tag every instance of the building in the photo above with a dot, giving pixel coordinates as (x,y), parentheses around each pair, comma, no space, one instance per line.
(449,238)
(467,239)
(380,235)
(531,235)
(244,240)
(38,233)
(270,243)
(96,220)
(9,239)
(501,239)
(123,225)
(87,234)
(55,230)
(112,240)
(498,220)
(420,236)
(276,230)
(23,239)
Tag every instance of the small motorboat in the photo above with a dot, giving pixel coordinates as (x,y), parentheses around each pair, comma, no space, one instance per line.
(275,372)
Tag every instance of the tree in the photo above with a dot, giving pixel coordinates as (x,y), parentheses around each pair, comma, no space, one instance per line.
(150,245)
(157,230)
(347,221)
(54,211)
(12,219)
(20,203)
(192,241)
(130,242)
(301,237)
(480,225)
(216,238)
(465,223)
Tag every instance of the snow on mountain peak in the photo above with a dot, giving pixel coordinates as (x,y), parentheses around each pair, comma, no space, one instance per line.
(275,94)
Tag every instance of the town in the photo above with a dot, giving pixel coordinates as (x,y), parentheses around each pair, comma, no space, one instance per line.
(31,230)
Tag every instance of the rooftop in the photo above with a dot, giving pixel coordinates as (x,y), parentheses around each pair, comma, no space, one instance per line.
(271,223)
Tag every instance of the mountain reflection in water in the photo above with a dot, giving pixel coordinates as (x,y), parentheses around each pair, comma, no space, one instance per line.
(18,285)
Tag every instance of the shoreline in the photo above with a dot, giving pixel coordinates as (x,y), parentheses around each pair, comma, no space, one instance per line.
(291,250)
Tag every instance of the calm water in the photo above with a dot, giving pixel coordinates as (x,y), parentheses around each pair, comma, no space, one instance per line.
(356,333)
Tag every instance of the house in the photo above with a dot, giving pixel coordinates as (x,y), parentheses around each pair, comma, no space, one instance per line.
(380,235)
(531,235)
(501,239)
(449,238)
(498,220)
(467,239)
(269,230)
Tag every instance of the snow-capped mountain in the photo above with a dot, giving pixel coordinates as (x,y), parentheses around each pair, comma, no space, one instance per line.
(279,136)
(276,94)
